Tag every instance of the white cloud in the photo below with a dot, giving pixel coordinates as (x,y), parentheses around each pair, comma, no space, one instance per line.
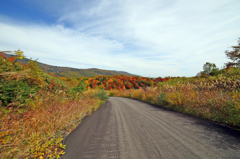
(145,37)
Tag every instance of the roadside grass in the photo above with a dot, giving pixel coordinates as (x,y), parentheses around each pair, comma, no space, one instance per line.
(37,110)
(198,97)
(36,130)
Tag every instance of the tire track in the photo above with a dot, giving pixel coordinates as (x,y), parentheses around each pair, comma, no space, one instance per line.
(126,128)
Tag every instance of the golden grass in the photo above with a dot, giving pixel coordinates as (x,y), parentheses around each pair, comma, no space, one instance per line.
(215,105)
(35,132)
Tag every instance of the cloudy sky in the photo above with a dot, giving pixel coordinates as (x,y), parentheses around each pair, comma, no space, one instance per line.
(150,38)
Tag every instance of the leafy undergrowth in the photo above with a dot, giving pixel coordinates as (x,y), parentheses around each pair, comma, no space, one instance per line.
(214,98)
(120,82)
(37,110)
(36,131)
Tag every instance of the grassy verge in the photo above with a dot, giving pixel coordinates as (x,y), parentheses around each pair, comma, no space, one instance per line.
(36,109)
(36,132)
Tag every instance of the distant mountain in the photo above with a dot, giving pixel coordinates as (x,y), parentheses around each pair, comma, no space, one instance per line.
(74,72)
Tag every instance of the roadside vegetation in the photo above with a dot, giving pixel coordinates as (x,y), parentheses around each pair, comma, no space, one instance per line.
(214,94)
(213,98)
(38,109)
(119,82)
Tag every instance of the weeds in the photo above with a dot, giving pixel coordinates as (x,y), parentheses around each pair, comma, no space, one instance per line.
(222,106)
(162,100)
(31,132)
(37,110)
(101,95)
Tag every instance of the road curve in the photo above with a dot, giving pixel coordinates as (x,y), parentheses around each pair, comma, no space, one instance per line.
(129,129)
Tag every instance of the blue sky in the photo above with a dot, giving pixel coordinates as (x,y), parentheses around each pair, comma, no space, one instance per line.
(150,38)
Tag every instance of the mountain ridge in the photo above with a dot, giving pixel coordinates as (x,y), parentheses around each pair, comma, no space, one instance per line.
(73,72)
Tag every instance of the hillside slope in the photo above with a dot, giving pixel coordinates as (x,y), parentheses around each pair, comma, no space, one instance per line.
(74,72)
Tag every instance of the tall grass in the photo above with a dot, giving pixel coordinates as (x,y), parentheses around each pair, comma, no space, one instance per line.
(218,105)
(37,131)
(37,110)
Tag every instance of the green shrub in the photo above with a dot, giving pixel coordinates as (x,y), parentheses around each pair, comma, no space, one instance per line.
(161,99)
(16,91)
(101,95)
(80,88)
(7,66)
(209,68)
(215,72)
(111,94)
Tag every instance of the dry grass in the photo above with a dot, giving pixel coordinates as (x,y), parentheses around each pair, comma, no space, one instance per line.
(216,105)
(37,109)
(31,132)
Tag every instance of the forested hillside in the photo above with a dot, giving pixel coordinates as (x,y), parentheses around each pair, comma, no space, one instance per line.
(72,72)
(38,109)
(120,82)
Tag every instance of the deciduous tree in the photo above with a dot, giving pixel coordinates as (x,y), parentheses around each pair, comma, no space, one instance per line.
(19,54)
(234,55)
(209,67)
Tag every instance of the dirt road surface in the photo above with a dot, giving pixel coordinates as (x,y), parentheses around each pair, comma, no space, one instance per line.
(124,128)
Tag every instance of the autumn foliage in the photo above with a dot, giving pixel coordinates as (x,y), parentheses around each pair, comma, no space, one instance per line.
(38,109)
(3,55)
(234,55)
(216,98)
(119,82)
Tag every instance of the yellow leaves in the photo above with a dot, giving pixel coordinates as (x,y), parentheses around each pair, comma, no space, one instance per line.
(36,128)
(62,152)
(143,97)
(19,54)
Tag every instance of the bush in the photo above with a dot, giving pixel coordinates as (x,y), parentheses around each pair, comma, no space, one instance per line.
(16,91)
(215,72)
(80,88)
(8,66)
(101,95)
(162,100)
(209,67)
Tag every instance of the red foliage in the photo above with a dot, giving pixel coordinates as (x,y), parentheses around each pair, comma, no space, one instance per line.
(3,55)
(11,59)
(230,67)
(159,79)
(122,82)
(25,65)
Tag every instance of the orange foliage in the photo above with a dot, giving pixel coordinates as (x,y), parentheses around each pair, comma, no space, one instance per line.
(230,67)
(11,59)
(121,82)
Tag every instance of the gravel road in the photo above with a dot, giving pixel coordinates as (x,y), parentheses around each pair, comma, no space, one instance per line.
(129,129)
